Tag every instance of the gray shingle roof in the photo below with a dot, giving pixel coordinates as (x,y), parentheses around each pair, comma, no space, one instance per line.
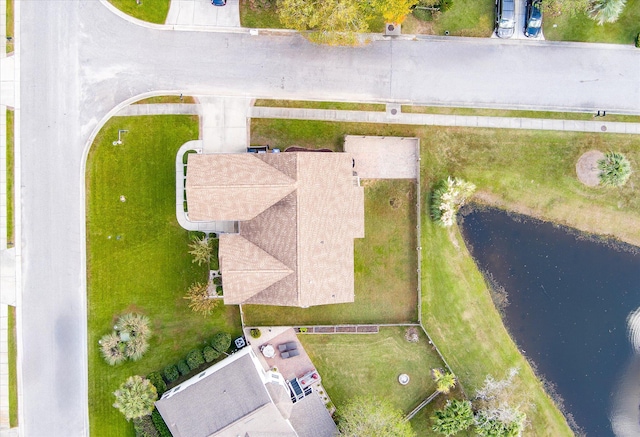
(310,418)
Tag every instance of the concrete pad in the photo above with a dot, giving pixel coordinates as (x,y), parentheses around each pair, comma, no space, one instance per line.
(384,157)
(224,124)
(203,13)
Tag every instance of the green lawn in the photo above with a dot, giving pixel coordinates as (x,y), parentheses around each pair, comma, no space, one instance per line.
(10,176)
(9,22)
(165,99)
(517,113)
(153,11)
(465,18)
(12,352)
(321,105)
(582,28)
(368,365)
(259,14)
(137,256)
(385,266)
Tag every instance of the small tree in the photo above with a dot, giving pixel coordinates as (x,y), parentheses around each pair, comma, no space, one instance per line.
(201,250)
(448,197)
(372,417)
(112,349)
(135,397)
(221,342)
(615,169)
(606,11)
(445,381)
(199,299)
(456,416)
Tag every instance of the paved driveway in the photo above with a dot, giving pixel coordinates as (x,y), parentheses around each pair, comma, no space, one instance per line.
(79,60)
(203,13)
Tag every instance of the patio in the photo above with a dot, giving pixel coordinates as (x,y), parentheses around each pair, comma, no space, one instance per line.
(293,367)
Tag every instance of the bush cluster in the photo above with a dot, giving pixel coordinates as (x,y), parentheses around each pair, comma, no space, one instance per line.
(129,341)
(158,382)
(183,367)
(195,359)
(221,342)
(210,354)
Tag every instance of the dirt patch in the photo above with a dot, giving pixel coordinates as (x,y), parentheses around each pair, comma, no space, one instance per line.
(587,168)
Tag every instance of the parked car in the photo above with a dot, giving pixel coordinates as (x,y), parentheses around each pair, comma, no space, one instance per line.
(533,22)
(218,2)
(505,18)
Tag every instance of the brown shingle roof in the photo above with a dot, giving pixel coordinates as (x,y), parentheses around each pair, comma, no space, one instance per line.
(308,209)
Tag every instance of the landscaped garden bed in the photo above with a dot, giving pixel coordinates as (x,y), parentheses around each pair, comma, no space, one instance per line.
(147,269)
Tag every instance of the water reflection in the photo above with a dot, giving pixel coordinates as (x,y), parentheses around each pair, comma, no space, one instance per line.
(569,303)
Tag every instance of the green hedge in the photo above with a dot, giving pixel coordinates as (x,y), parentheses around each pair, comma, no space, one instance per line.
(210,354)
(144,427)
(183,367)
(158,422)
(195,359)
(171,373)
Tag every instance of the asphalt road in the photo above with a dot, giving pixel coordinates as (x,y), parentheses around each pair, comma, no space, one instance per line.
(78,60)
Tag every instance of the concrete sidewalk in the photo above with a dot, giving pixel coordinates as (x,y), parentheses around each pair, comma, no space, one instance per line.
(446,120)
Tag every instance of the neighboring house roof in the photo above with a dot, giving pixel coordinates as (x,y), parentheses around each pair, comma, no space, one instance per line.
(299,214)
(235,397)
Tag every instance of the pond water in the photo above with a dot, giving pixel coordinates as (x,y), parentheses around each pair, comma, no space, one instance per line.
(570,304)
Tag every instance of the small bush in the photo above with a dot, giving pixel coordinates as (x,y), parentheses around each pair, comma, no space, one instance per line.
(112,349)
(158,382)
(210,354)
(447,198)
(171,373)
(255,333)
(144,427)
(195,359)
(221,342)
(183,367)
(638,40)
(615,169)
(158,422)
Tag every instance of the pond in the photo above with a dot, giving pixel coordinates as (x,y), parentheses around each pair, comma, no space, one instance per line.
(570,304)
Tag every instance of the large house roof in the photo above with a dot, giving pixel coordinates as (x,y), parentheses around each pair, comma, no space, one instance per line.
(299,214)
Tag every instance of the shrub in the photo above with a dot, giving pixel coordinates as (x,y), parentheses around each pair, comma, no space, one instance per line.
(144,427)
(638,40)
(455,417)
(183,367)
(201,250)
(158,421)
(614,169)
(199,299)
(136,325)
(112,349)
(210,354)
(136,347)
(195,359)
(221,342)
(606,11)
(158,382)
(447,198)
(445,381)
(135,397)
(171,373)
(255,333)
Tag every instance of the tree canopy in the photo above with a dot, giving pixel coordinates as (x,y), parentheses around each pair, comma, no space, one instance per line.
(135,397)
(372,417)
(456,416)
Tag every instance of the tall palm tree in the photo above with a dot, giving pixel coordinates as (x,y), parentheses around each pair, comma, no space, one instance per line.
(606,11)
(135,397)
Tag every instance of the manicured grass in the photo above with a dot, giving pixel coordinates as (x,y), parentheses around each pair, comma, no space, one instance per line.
(465,18)
(137,256)
(10,176)
(153,11)
(385,267)
(321,105)
(12,356)
(9,22)
(583,28)
(259,14)
(458,313)
(517,113)
(353,365)
(166,99)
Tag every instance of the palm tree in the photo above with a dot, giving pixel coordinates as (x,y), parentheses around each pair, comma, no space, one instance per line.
(445,381)
(136,325)
(135,397)
(615,169)
(136,347)
(606,11)
(456,416)
(112,349)
(201,250)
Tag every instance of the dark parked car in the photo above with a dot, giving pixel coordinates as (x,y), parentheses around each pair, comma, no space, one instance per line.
(218,2)
(505,18)
(533,22)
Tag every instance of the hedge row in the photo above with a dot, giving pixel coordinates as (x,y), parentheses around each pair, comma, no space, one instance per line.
(158,422)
